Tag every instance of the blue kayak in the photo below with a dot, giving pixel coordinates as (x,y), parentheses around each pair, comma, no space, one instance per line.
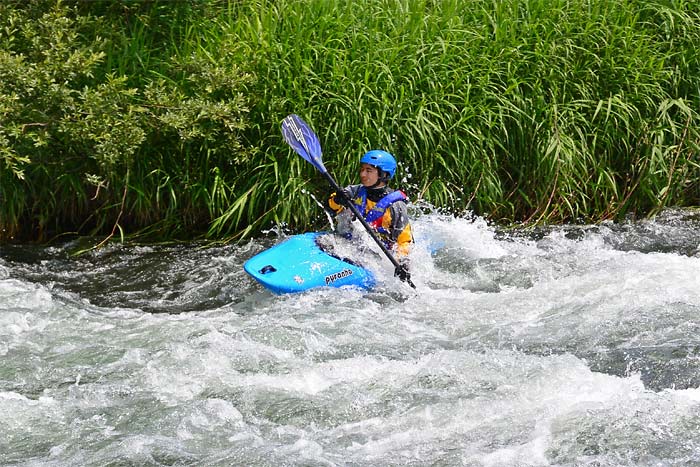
(301,263)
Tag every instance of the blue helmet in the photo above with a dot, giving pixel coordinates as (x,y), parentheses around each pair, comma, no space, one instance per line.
(381,160)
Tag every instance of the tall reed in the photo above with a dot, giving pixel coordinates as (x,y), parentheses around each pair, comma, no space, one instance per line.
(163,117)
(525,110)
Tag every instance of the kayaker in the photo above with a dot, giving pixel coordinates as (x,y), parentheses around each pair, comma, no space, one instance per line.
(383,207)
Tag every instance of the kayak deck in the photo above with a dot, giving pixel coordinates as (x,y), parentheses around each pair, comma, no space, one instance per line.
(300,263)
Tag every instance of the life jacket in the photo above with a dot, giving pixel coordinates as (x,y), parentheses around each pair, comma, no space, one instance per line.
(374,216)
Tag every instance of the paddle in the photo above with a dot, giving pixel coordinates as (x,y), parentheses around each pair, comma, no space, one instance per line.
(305,143)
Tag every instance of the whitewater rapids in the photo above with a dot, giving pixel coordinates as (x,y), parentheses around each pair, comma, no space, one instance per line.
(565,346)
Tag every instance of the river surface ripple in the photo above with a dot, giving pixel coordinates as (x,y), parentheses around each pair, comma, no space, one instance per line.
(567,346)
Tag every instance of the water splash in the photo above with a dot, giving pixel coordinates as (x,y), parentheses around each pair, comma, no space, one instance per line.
(571,345)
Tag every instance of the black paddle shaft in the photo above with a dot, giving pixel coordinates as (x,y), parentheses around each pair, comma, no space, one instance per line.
(367,227)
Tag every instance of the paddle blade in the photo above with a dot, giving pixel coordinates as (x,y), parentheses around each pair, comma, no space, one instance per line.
(303,140)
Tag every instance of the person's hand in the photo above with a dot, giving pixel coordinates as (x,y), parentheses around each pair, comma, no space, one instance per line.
(402,273)
(341,198)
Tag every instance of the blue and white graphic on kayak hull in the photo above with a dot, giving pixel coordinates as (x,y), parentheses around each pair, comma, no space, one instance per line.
(300,263)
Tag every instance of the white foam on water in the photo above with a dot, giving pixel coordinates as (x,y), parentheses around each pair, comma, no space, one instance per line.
(20,296)
(513,350)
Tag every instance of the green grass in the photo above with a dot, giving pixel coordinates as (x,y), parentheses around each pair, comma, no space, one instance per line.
(529,110)
(524,111)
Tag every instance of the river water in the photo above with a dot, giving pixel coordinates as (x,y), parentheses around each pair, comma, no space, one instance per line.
(568,346)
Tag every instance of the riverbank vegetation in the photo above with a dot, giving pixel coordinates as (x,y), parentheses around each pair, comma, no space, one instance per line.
(161,119)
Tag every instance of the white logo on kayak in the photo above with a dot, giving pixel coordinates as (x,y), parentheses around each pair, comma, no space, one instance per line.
(338,275)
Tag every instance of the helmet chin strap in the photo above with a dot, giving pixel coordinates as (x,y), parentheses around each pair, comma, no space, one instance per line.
(382,179)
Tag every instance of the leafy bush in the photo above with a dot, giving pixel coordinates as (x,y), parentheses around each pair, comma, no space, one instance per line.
(84,150)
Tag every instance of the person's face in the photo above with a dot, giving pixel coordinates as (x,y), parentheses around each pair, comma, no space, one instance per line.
(369,175)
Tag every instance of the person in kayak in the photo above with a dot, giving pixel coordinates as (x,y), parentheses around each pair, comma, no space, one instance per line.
(383,207)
